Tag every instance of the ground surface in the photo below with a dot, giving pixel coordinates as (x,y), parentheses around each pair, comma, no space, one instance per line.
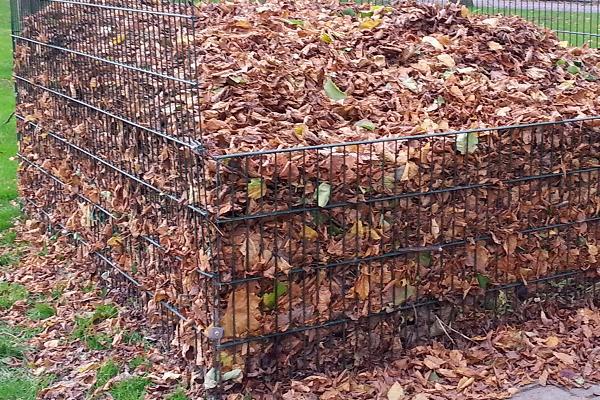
(555,393)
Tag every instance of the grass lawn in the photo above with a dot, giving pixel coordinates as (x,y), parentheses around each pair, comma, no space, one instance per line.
(559,21)
(8,144)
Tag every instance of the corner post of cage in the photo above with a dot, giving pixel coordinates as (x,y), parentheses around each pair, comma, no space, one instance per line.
(216,332)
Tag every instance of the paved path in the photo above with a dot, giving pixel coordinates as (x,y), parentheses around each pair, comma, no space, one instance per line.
(555,393)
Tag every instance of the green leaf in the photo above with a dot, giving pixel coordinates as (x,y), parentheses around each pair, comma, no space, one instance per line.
(269,299)
(257,188)
(561,62)
(483,281)
(333,92)
(466,143)
(434,377)
(404,294)
(573,69)
(366,124)
(322,194)
(425,258)
(296,22)
(350,12)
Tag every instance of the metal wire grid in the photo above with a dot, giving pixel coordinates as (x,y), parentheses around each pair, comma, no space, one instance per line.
(88,141)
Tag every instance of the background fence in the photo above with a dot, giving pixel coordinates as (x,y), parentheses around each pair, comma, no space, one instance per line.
(296,259)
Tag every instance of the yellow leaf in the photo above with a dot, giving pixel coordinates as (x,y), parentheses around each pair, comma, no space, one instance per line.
(369,23)
(115,241)
(552,341)
(325,37)
(495,46)
(240,316)
(465,12)
(309,233)
(300,130)
(257,188)
(242,23)
(88,367)
(396,392)
(464,383)
(374,234)
(119,39)
(433,42)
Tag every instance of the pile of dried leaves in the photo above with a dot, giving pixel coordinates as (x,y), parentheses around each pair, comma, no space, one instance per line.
(306,237)
(559,346)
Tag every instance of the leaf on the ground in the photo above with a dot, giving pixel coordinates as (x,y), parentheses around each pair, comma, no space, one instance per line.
(396,392)
(495,46)
(464,383)
(447,60)
(433,42)
(552,341)
(564,357)
(333,92)
(366,124)
(369,23)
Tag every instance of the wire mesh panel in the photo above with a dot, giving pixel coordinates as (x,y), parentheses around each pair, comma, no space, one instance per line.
(287,259)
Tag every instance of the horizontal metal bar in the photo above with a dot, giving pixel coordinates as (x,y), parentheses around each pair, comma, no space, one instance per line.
(400,196)
(139,181)
(401,139)
(379,314)
(108,113)
(408,250)
(137,10)
(578,33)
(107,61)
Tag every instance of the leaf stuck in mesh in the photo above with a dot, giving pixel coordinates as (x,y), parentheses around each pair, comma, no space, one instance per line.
(323,194)
(257,188)
(270,299)
(466,143)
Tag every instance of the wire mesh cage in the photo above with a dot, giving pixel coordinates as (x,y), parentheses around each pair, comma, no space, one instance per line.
(274,259)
